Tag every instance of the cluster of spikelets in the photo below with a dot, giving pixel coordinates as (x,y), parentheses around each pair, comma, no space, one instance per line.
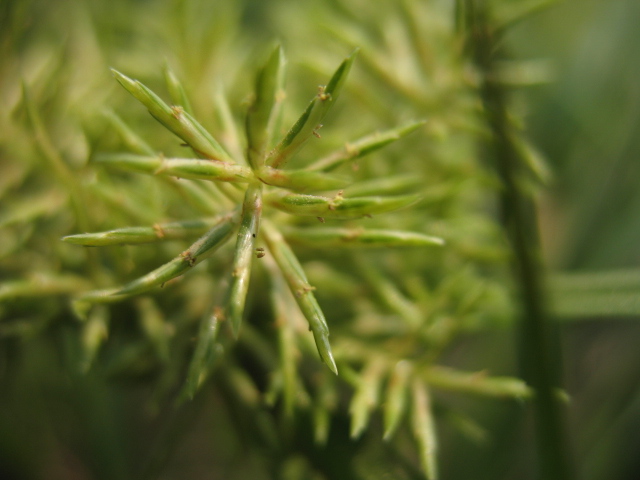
(258,182)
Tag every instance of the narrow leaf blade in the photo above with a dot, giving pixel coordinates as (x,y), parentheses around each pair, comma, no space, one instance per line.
(176,119)
(191,168)
(311,118)
(363,146)
(301,180)
(302,291)
(139,235)
(244,252)
(196,253)
(359,238)
(338,206)
(268,89)
(423,426)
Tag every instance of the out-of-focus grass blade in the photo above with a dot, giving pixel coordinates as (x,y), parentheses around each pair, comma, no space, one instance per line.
(175,119)
(363,146)
(464,424)
(424,429)
(476,382)
(509,14)
(55,162)
(396,398)
(288,351)
(584,295)
(301,180)
(532,159)
(176,90)
(268,91)
(359,237)
(338,206)
(202,195)
(137,235)
(200,250)
(311,118)
(229,133)
(94,332)
(302,292)
(206,352)
(391,295)
(155,327)
(366,397)
(31,208)
(41,285)
(244,252)
(397,184)
(130,138)
(325,402)
(178,167)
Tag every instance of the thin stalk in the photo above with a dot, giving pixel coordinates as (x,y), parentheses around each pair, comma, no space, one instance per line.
(518,216)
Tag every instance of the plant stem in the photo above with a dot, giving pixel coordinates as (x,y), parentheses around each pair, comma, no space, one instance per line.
(519,219)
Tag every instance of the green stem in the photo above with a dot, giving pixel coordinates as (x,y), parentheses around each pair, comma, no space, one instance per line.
(518,216)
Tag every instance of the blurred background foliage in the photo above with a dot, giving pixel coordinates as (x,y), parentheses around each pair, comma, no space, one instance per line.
(575,91)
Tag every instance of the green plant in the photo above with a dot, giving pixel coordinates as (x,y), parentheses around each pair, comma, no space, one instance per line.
(400,304)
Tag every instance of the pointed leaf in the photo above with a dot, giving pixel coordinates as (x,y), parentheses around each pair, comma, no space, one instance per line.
(363,146)
(175,119)
(244,252)
(424,429)
(311,118)
(302,292)
(476,382)
(199,251)
(338,206)
(179,167)
(176,90)
(301,180)
(268,91)
(205,353)
(321,237)
(137,235)
(396,398)
(288,351)
(366,397)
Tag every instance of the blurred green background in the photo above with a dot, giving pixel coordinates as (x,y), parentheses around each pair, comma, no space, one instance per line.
(584,117)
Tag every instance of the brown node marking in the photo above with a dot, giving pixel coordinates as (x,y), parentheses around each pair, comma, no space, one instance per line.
(335,201)
(162,166)
(218,312)
(177,111)
(353,234)
(157,229)
(320,219)
(322,94)
(315,131)
(303,290)
(187,256)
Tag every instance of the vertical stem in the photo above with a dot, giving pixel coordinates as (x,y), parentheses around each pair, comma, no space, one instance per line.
(519,219)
